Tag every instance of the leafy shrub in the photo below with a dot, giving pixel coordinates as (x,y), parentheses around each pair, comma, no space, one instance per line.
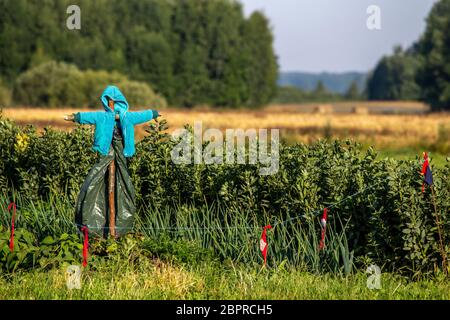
(40,163)
(141,95)
(25,253)
(94,82)
(442,144)
(29,253)
(66,249)
(50,84)
(56,84)
(177,250)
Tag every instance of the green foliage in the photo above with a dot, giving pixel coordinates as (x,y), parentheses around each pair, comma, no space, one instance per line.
(434,47)
(94,82)
(40,163)
(140,95)
(29,253)
(191,52)
(262,70)
(155,281)
(39,57)
(64,250)
(353,92)
(391,223)
(25,252)
(59,84)
(394,77)
(422,72)
(334,82)
(289,94)
(442,143)
(180,250)
(5,95)
(151,58)
(51,84)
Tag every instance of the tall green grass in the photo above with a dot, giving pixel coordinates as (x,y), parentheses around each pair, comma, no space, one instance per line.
(231,233)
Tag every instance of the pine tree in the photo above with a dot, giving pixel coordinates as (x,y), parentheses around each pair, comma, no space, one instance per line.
(352,92)
(262,66)
(394,77)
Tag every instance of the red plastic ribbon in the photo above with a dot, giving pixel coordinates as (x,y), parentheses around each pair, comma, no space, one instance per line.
(263,243)
(85,245)
(11,239)
(323,223)
(424,168)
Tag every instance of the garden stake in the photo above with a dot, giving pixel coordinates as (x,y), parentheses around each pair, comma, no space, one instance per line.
(323,224)
(112,207)
(263,243)
(11,239)
(85,231)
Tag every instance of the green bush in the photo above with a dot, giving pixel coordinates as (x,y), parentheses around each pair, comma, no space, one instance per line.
(442,143)
(295,95)
(66,249)
(94,82)
(29,253)
(140,95)
(178,250)
(5,95)
(40,163)
(25,253)
(57,84)
(289,94)
(50,84)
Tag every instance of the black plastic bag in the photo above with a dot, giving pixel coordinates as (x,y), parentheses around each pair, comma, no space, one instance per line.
(92,207)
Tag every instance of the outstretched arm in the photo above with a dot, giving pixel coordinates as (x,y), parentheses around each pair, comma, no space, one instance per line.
(138,117)
(84,117)
(70,117)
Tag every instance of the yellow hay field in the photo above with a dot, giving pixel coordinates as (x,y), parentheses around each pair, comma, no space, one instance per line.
(379,129)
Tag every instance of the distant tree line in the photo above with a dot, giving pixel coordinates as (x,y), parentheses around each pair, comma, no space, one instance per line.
(293,94)
(189,51)
(420,72)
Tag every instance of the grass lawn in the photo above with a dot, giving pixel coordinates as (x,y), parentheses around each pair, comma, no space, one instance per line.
(150,279)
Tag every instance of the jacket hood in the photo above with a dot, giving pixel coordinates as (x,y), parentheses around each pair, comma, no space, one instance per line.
(120,102)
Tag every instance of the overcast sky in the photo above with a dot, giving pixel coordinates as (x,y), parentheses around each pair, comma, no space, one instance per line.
(331,35)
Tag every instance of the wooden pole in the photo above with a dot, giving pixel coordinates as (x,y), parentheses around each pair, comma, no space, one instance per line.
(441,243)
(112,206)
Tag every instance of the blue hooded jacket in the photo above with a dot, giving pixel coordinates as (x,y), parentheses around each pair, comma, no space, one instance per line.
(104,122)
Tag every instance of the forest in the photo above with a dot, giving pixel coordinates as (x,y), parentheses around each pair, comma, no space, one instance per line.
(189,52)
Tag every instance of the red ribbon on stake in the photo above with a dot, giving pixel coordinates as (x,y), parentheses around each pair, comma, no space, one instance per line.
(323,224)
(263,243)
(426,172)
(85,230)
(11,239)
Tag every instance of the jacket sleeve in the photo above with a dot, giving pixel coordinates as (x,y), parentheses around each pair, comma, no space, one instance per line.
(88,117)
(138,117)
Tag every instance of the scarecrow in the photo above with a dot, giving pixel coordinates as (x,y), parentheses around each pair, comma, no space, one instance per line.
(106,202)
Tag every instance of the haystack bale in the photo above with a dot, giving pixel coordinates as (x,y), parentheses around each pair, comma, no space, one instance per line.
(323,109)
(360,110)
